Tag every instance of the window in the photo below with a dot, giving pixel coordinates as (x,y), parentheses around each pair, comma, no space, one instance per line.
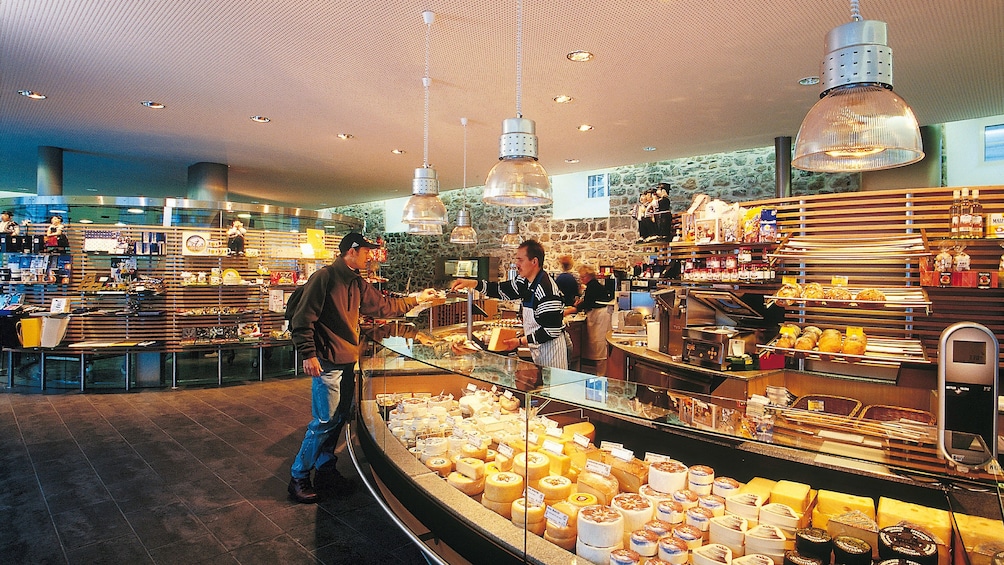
(597,184)
(993,143)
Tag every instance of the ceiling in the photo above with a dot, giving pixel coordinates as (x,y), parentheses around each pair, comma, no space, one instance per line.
(688,77)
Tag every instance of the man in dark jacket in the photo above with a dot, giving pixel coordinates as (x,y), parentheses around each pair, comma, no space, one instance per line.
(325,331)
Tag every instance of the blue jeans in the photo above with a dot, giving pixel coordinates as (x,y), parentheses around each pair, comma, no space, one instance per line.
(330,404)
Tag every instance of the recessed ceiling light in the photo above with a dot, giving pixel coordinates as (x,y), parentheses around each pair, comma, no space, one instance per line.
(563,99)
(398,151)
(51,212)
(808,81)
(649,148)
(261,119)
(244,215)
(345,136)
(580,56)
(32,94)
(135,210)
(573,161)
(585,127)
(153,105)
(85,221)
(91,189)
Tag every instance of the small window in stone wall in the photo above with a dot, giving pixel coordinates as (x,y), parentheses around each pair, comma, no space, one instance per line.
(596,186)
(993,143)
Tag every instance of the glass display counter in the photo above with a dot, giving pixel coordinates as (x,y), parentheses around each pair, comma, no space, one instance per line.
(428,402)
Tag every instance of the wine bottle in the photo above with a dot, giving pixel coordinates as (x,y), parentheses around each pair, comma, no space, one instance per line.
(976,217)
(955,211)
(965,215)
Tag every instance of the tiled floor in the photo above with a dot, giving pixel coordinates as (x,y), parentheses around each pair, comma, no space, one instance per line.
(184,476)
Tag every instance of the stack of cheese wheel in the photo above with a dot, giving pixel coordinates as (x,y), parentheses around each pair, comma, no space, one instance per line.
(501,489)
(667,476)
(670,511)
(768,540)
(624,556)
(712,554)
(435,447)
(700,479)
(603,487)
(724,487)
(673,550)
(555,488)
(782,516)
(659,528)
(729,530)
(528,516)
(646,543)
(699,518)
(687,498)
(532,466)
(469,478)
(654,496)
(745,504)
(441,465)
(600,531)
(563,535)
(636,509)
(714,503)
(689,535)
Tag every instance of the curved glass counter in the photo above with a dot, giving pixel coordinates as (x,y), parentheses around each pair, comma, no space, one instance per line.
(891,463)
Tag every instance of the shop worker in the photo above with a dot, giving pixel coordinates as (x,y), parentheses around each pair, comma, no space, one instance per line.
(325,330)
(567,284)
(7,223)
(542,310)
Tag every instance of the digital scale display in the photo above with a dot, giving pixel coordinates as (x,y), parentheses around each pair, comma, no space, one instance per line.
(972,352)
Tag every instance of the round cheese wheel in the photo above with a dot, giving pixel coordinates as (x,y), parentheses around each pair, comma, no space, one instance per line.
(659,528)
(714,503)
(699,518)
(566,543)
(687,498)
(417,452)
(490,455)
(504,486)
(724,486)
(904,542)
(477,452)
(667,476)
(624,556)
(601,526)
(701,475)
(673,550)
(582,499)
(531,465)
(646,543)
(555,487)
(689,535)
(699,490)
(654,496)
(491,469)
(522,514)
(635,508)
(568,509)
(670,511)
(593,553)
(502,508)
(441,465)
(466,485)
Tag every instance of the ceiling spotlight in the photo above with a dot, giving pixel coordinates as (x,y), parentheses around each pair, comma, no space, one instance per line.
(261,119)
(32,94)
(512,238)
(563,99)
(464,232)
(648,148)
(580,56)
(85,221)
(51,212)
(808,81)
(135,210)
(571,161)
(585,127)
(153,105)
(345,136)
(398,151)
(91,189)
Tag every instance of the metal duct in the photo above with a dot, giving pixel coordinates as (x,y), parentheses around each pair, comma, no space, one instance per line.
(49,176)
(782,166)
(207,181)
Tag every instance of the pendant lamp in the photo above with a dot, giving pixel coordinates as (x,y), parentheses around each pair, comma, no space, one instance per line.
(518,179)
(463,232)
(512,238)
(425,229)
(424,207)
(859,123)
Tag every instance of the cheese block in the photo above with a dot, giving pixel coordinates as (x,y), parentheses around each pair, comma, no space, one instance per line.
(729,530)
(560,463)
(712,554)
(635,508)
(644,542)
(491,469)
(582,428)
(631,475)
(490,455)
(931,520)
(499,335)
(977,531)
(504,463)
(531,465)
(441,465)
(523,514)
(579,455)
(759,486)
(795,495)
(601,526)
(466,485)
(604,488)
(502,508)
(555,487)
(667,476)
(856,524)
(830,503)
(566,543)
(624,556)
(471,468)
(504,486)
(474,452)
(594,554)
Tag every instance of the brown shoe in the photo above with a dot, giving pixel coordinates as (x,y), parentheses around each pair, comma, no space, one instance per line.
(329,481)
(302,491)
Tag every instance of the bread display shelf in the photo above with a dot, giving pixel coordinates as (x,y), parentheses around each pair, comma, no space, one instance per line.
(879,351)
(896,299)
(858,249)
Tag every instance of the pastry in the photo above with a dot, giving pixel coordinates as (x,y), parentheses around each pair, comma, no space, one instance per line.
(789,290)
(830,342)
(870,298)
(785,342)
(806,342)
(812,330)
(837,293)
(812,291)
(790,330)
(854,345)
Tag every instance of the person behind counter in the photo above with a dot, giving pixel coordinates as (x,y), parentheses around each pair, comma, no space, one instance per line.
(542,313)
(567,284)
(325,330)
(597,318)
(7,223)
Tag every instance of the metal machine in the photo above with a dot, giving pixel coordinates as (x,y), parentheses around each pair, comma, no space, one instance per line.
(713,319)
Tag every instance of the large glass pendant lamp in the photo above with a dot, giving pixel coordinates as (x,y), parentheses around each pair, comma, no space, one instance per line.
(512,238)
(464,233)
(859,123)
(424,207)
(518,179)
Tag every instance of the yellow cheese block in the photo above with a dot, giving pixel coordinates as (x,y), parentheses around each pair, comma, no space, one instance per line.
(582,499)
(471,467)
(560,463)
(855,524)
(523,514)
(466,485)
(579,455)
(499,335)
(931,520)
(504,463)
(830,503)
(581,428)
(555,487)
(503,509)
(979,531)
(630,475)
(604,488)
(790,493)
(759,486)
(505,486)
(477,452)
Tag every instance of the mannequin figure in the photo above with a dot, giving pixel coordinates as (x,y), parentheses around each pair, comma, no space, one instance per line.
(235,237)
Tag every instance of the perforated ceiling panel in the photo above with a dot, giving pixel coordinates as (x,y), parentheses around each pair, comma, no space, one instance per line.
(685,76)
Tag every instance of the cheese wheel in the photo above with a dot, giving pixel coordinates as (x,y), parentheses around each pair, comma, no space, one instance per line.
(646,543)
(465,484)
(582,499)
(654,496)
(699,518)
(667,476)
(714,503)
(659,528)
(769,540)
(566,543)
(441,465)
(780,515)
(687,498)
(504,486)
(471,468)
(522,514)
(745,504)
(435,446)
(490,455)
(670,511)
(753,559)
(555,487)
(601,526)
(635,508)
(593,553)
(502,508)
(491,469)
(699,490)
(624,556)
(728,530)
(690,535)
(724,487)
(605,488)
(504,463)
(537,528)
(701,475)
(531,465)
(417,452)
(673,550)
(568,509)
(476,452)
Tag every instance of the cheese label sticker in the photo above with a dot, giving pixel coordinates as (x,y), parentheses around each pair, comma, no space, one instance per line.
(505,450)
(598,467)
(610,446)
(507,394)
(556,517)
(531,437)
(580,440)
(553,446)
(534,497)
(472,387)
(623,454)
(554,432)
(655,457)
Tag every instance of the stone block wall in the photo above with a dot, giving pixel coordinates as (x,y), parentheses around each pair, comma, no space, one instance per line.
(733,177)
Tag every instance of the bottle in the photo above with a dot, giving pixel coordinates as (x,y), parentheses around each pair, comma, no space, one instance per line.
(965,215)
(955,212)
(976,219)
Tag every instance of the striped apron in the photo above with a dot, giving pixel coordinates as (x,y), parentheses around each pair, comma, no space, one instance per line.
(550,354)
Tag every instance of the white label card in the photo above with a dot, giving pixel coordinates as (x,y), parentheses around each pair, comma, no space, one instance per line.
(494,389)
(610,446)
(554,432)
(505,450)
(655,457)
(534,497)
(598,467)
(553,446)
(472,387)
(531,437)
(507,394)
(557,517)
(580,440)
(623,454)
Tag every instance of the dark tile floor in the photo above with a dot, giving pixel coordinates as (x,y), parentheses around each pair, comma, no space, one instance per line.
(183,476)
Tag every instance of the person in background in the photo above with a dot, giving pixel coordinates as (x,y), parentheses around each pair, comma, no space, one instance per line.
(235,237)
(543,311)
(567,284)
(597,318)
(54,236)
(7,223)
(664,214)
(325,330)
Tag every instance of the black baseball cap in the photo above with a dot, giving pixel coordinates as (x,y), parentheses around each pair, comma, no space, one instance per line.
(354,241)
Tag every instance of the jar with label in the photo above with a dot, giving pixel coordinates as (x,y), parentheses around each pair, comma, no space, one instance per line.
(961,260)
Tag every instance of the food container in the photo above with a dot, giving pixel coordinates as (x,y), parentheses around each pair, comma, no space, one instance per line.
(836,405)
(885,413)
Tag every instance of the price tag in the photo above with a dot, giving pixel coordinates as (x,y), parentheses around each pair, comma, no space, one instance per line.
(472,387)
(556,517)
(623,454)
(548,423)
(494,389)
(458,432)
(610,446)
(553,446)
(534,497)
(581,440)
(857,331)
(531,437)
(505,450)
(838,280)
(554,432)
(789,279)
(655,457)
(507,394)
(598,467)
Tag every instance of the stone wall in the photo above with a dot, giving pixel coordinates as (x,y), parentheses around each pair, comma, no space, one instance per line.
(737,176)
